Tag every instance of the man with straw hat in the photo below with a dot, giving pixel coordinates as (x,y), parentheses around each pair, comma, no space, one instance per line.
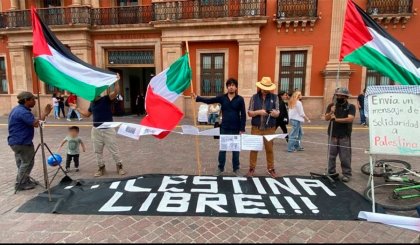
(341,114)
(264,109)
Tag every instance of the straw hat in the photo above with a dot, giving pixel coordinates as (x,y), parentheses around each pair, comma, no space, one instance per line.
(266,84)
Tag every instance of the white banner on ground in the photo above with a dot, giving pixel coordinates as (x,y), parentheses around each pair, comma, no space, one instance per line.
(191,130)
(110,125)
(270,137)
(251,142)
(211,132)
(230,142)
(394,220)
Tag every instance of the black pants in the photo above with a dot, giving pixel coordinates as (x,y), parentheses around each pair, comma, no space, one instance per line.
(283,127)
(61,108)
(75,158)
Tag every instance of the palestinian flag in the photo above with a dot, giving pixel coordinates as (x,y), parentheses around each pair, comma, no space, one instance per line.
(56,65)
(365,43)
(162,92)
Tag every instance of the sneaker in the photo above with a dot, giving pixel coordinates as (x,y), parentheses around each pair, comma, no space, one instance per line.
(25,186)
(100,172)
(301,149)
(218,172)
(251,172)
(80,119)
(120,170)
(77,169)
(67,170)
(58,117)
(237,172)
(292,151)
(68,119)
(33,182)
(272,173)
(345,179)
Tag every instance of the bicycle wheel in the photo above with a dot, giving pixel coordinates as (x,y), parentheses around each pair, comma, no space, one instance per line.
(384,196)
(378,170)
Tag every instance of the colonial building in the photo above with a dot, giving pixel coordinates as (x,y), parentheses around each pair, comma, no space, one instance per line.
(295,42)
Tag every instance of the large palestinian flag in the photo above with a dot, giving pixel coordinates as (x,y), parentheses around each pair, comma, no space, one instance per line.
(365,43)
(56,65)
(162,92)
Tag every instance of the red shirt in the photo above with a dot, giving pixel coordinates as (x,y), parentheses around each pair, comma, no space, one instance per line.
(72,99)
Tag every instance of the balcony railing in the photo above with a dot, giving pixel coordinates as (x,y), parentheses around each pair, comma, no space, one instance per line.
(122,15)
(381,7)
(170,10)
(296,9)
(201,9)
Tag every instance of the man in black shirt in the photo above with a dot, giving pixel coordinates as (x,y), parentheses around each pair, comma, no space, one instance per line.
(234,119)
(361,105)
(101,110)
(341,114)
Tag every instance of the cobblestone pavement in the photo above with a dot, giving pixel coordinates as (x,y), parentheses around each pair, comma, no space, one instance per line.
(176,155)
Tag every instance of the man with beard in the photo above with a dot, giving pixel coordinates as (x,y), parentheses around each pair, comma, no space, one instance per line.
(233,122)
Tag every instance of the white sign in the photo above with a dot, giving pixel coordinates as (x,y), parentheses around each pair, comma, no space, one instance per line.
(188,129)
(252,142)
(394,124)
(110,125)
(130,130)
(230,142)
(211,132)
(270,137)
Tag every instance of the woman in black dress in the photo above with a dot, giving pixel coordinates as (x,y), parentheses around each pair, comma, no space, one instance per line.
(283,118)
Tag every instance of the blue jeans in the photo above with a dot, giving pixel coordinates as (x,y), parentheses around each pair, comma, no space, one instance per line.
(213,117)
(362,116)
(56,111)
(70,111)
(222,154)
(295,136)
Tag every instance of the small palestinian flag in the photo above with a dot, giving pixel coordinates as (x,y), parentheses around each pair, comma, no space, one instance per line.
(57,66)
(365,43)
(162,92)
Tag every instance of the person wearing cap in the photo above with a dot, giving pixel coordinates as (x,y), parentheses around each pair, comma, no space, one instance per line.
(263,109)
(234,120)
(341,115)
(21,126)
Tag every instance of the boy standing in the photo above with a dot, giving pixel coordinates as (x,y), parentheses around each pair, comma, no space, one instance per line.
(73,143)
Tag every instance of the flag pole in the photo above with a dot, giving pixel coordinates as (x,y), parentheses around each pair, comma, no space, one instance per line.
(193,104)
(41,133)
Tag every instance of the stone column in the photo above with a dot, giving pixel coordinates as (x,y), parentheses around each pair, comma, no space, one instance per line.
(171,51)
(95,3)
(248,68)
(20,63)
(14,5)
(87,2)
(76,2)
(333,65)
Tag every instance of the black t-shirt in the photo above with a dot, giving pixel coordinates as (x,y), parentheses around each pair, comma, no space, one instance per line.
(361,99)
(340,130)
(101,111)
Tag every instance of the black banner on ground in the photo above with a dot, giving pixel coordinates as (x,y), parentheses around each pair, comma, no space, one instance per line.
(290,197)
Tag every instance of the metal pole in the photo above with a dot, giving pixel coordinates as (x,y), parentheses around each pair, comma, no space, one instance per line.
(44,160)
(372,185)
(334,102)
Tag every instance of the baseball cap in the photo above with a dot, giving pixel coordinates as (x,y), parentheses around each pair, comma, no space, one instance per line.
(342,91)
(25,95)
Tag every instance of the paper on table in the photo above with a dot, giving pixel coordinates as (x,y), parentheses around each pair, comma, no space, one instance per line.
(211,132)
(109,125)
(270,137)
(251,142)
(394,220)
(188,129)
(130,130)
(230,142)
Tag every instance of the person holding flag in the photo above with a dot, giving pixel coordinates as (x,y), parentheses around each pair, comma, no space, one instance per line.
(234,120)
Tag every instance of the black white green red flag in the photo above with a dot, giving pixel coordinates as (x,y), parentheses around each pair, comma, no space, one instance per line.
(366,43)
(56,65)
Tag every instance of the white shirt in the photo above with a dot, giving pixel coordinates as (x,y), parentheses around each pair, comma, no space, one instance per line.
(55,101)
(297,113)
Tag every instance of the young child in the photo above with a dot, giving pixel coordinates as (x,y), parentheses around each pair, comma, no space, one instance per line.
(73,143)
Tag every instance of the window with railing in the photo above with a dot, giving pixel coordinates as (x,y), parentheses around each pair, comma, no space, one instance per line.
(49,89)
(375,78)
(292,71)
(122,3)
(212,74)
(296,8)
(379,7)
(116,57)
(4,83)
